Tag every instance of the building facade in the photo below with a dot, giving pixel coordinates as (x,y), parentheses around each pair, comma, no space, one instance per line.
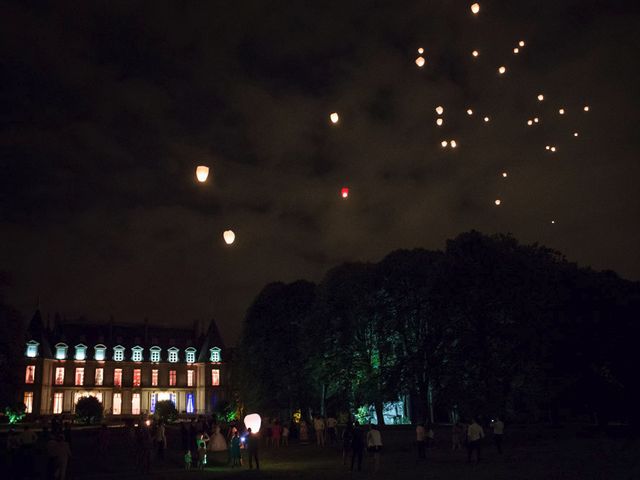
(129,368)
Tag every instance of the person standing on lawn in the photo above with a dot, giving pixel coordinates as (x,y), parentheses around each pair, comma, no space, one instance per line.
(420,441)
(498,431)
(357,446)
(253,441)
(475,434)
(374,445)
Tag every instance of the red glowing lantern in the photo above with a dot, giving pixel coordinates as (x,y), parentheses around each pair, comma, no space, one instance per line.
(344,192)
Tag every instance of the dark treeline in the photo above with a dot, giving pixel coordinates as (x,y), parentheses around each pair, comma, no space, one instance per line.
(487,326)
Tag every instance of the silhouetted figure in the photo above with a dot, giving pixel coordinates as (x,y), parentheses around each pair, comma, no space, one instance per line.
(420,441)
(253,441)
(235,449)
(498,431)
(347,439)
(357,446)
(374,445)
(332,423)
(457,433)
(475,434)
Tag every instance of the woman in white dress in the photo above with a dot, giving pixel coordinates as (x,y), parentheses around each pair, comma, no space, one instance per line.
(217,443)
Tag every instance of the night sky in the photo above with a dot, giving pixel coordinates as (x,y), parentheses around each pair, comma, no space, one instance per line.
(106,110)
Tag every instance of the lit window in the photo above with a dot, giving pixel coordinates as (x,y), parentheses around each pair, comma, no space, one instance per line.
(28,402)
(215,377)
(30,374)
(136,354)
(118,353)
(215,355)
(135,404)
(59,375)
(79,376)
(61,351)
(136,377)
(117,377)
(57,402)
(99,352)
(154,377)
(190,377)
(190,403)
(32,349)
(190,355)
(117,404)
(99,376)
(81,352)
(173,354)
(155,354)
(172,378)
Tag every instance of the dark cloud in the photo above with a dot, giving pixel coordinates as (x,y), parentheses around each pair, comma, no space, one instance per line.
(108,107)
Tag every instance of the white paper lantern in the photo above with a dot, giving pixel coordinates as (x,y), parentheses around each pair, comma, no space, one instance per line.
(475,8)
(439,110)
(502,70)
(420,61)
(335,118)
(229,237)
(439,122)
(202,173)
(253,421)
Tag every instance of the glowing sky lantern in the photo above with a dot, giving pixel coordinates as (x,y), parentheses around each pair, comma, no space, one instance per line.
(253,421)
(502,70)
(202,173)
(334,117)
(497,201)
(229,237)
(453,144)
(486,119)
(529,122)
(475,53)
(575,134)
(553,222)
(553,149)
(439,122)
(420,61)
(561,111)
(540,97)
(469,111)
(586,108)
(536,120)
(547,147)
(444,143)
(439,110)
(421,50)
(521,43)
(504,175)
(344,192)
(516,50)
(475,8)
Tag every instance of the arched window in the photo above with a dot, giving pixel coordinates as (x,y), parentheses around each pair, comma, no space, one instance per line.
(61,351)
(173,354)
(32,349)
(118,353)
(215,355)
(81,352)
(100,352)
(136,353)
(155,354)
(190,355)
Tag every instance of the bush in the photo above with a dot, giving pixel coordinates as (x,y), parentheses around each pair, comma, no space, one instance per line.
(89,410)
(15,413)
(166,411)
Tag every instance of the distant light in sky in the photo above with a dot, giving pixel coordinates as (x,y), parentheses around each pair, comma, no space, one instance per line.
(344,192)
(453,144)
(504,175)
(540,97)
(335,118)
(536,120)
(469,111)
(516,50)
(521,43)
(444,143)
(547,147)
(439,110)
(586,108)
(529,122)
(486,119)
(439,122)
(475,8)
(421,50)
(202,173)
(561,111)
(575,134)
(475,53)
(502,70)
(420,61)
(498,201)
(229,237)
(553,149)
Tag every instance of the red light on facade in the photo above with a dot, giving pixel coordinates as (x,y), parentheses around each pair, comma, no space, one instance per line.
(345,192)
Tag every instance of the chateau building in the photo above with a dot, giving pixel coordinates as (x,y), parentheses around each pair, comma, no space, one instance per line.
(129,368)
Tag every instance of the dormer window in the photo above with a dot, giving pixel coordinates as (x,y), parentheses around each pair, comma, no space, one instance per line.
(136,354)
(61,351)
(100,352)
(81,352)
(155,354)
(190,355)
(32,349)
(173,354)
(118,353)
(215,356)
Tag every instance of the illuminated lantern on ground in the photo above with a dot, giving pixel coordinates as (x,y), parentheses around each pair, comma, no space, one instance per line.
(475,8)
(229,237)
(344,192)
(475,53)
(420,61)
(439,122)
(540,97)
(253,421)
(502,70)
(439,110)
(202,173)
(334,117)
